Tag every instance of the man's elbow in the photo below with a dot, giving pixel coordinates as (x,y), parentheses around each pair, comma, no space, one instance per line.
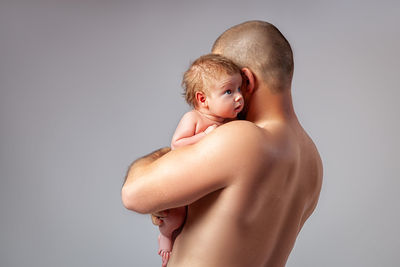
(132,201)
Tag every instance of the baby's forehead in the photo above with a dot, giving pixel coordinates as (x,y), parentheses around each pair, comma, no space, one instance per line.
(219,76)
(216,82)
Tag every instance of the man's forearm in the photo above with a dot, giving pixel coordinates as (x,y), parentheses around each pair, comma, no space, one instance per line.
(135,169)
(138,164)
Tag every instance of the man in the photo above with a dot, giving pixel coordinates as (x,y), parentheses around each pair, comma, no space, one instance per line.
(249,185)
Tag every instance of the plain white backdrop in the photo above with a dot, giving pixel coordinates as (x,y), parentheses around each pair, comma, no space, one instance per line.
(88,86)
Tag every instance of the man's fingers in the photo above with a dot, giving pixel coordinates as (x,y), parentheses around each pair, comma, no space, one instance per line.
(161,214)
(157,217)
(156,220)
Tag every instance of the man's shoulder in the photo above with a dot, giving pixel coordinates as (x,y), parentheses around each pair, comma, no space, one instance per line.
(239,136)
(241,126)
(241,130)
(247,137)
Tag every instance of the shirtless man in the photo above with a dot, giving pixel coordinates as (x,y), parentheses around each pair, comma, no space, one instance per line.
(249,185)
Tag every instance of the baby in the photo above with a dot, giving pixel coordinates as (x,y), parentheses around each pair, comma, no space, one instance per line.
(213,88)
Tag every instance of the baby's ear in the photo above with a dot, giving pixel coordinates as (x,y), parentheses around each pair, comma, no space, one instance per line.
(201,99)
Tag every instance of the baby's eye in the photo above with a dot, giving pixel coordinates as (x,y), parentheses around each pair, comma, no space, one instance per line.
(239,90)
(228,92)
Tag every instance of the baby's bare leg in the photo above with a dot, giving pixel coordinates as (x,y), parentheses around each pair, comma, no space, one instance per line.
(171,222)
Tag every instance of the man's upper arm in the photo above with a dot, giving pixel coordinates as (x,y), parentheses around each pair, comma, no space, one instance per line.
(182,176)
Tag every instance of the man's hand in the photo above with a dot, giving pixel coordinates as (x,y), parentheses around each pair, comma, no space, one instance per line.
(157,218)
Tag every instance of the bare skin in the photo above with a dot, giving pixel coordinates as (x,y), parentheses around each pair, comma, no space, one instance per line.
(249,185)
(252,185)
(213,109)
(222,103)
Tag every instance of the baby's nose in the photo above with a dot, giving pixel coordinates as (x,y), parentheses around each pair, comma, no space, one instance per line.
(238,97)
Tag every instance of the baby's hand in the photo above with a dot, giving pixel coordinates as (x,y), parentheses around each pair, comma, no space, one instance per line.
(210,128)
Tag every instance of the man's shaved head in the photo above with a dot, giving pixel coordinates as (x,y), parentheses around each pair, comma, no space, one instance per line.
(261,47)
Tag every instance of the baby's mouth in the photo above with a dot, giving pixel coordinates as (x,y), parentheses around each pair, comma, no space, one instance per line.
(238,108)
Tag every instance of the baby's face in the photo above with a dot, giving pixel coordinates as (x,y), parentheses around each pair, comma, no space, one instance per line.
(225,98)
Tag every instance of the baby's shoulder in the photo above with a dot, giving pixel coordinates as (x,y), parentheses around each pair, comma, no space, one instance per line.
(191,115)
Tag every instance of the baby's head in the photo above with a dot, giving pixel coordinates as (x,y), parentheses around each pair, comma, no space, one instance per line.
(213,83)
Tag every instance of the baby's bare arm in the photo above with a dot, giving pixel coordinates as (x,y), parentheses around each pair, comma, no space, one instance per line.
(185,133)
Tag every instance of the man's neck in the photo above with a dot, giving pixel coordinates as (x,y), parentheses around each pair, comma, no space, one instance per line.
(266,107)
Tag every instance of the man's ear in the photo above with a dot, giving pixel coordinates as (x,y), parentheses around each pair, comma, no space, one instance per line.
(201,99)
(250,79)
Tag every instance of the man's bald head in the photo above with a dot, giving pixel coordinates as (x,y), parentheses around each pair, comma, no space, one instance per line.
(262,48)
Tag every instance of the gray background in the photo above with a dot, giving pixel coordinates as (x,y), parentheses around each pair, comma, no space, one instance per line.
(88,86)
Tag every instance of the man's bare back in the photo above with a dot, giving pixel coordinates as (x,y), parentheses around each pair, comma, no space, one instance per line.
(250,185)
(274,192)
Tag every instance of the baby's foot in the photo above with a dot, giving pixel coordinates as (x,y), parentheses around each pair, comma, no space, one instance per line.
(165,254)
